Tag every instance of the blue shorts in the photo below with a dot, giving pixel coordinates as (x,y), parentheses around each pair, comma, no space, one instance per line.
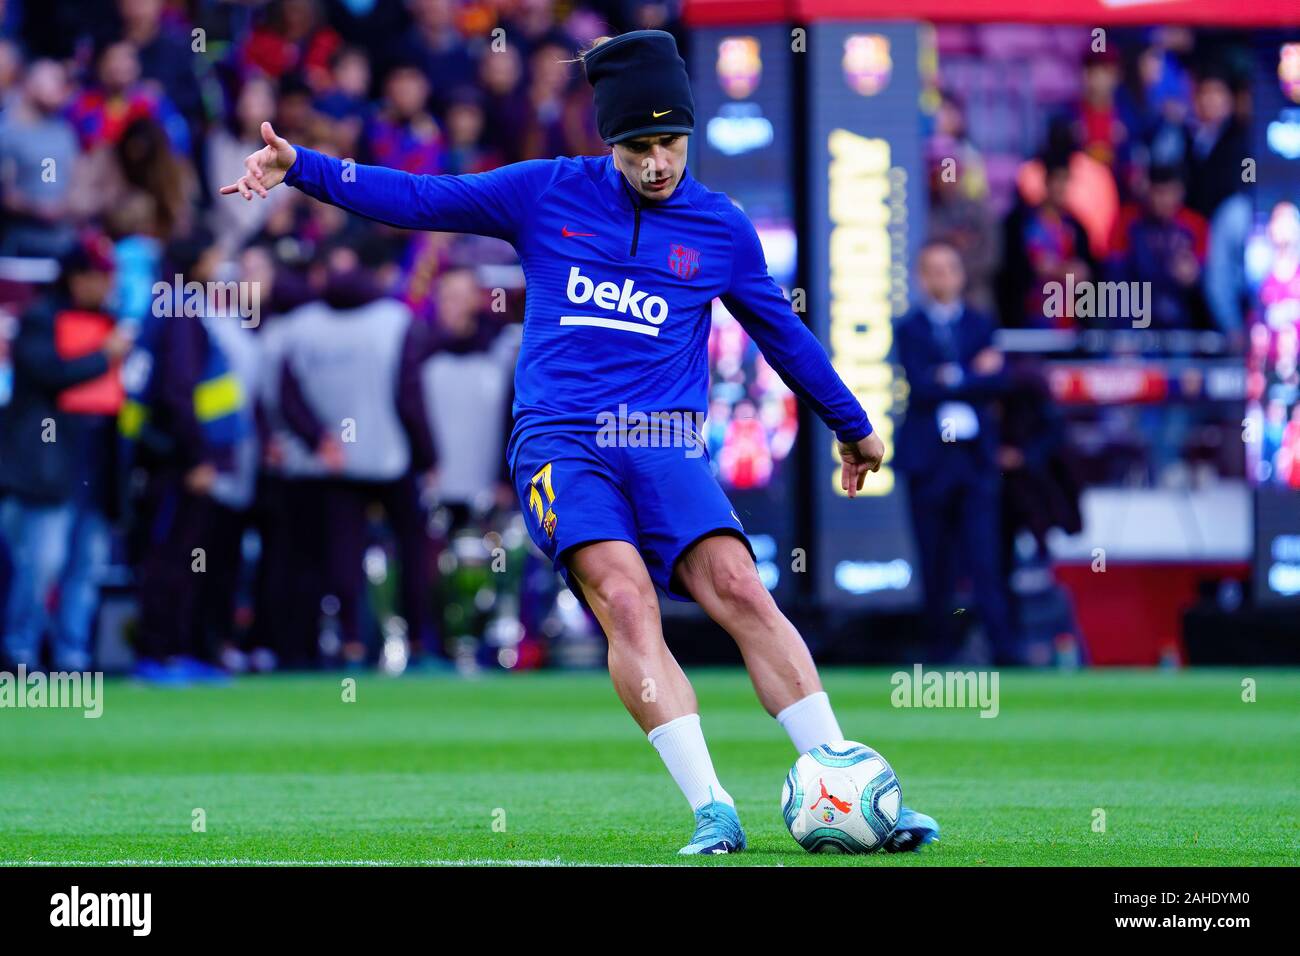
(662,501)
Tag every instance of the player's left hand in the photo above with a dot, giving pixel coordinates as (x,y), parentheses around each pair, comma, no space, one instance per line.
(859,458)
(266,168)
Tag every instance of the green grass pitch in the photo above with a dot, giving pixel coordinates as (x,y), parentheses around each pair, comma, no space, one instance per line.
(547,768)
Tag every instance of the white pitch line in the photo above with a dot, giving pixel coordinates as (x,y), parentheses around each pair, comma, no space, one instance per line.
(238,862)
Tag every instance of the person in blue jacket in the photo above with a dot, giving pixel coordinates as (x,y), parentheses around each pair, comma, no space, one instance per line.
(623,255)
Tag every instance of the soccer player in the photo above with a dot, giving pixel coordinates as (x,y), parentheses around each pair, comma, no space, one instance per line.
(623,255)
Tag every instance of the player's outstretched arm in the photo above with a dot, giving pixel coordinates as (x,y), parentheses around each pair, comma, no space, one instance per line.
(795,354)
(489,204)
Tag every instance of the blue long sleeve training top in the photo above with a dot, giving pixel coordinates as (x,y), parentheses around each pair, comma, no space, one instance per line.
(619,288)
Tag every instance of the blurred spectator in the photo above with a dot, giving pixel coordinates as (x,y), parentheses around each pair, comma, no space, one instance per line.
(185,414)
(298,452)
(233,489)
(1166,92)
(142,161)
(166,58)
(531,24)
(1099,129)
(1040,484)
(506,104)
(292,37)
(1216,145)
(347,101)
(947,447)
(39,160)
(560,121)
(436,46)
(1166,247)
(270,639)
(138,249)
(57,454)
(1042,244)
(404,134)
(952,140)
(959,208)
(465,385)
(465,122)
(1040,493)
(102,113)
(355,360)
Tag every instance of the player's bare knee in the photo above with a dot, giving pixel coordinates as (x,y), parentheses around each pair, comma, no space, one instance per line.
(737,585)
(626,604)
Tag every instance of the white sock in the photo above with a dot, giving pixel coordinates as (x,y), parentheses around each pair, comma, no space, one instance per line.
(681,744)
(810,722)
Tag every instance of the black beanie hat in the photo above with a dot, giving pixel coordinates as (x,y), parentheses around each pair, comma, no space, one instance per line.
(641,86)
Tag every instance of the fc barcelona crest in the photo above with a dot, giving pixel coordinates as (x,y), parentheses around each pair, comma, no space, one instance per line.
(683,261)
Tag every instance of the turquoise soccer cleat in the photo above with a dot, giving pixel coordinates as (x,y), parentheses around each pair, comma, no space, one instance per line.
(717,830)
(914,831)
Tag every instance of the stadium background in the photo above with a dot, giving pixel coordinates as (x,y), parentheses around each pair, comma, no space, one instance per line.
(1198,522)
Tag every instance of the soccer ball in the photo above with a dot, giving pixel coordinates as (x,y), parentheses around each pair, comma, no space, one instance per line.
(841,797)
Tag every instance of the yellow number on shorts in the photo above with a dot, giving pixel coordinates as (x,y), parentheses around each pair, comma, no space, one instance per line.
(544,511)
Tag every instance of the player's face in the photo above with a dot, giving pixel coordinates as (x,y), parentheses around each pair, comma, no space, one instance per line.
(653,165)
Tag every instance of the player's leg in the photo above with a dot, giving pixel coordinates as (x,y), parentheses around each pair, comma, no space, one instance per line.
(579,515)
(648,680)
(617,588)
(718,571)
(695,547)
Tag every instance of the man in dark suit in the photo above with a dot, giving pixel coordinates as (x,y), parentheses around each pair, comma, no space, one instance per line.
(947,450)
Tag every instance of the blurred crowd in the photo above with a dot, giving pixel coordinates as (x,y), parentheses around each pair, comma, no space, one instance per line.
(1061,159)
(343,405)
(348,380)
(1136,171)
(1077,170)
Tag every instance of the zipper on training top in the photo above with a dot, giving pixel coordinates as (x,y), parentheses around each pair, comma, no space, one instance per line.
(636,222)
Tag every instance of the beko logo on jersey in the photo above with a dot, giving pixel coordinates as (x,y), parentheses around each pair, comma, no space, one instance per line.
(613,298)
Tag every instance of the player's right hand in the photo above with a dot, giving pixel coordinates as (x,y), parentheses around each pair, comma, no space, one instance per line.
(859,458)
(265,168)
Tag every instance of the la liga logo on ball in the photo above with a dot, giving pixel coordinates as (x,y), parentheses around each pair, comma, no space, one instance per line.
(841,797)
